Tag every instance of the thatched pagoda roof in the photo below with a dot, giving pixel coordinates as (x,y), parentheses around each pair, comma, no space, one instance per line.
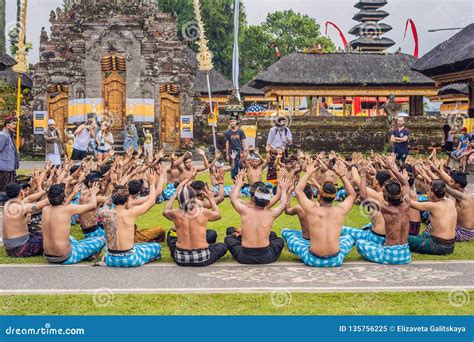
(342,69)
(454,89)
(11,78)
(6,61)
(452,56)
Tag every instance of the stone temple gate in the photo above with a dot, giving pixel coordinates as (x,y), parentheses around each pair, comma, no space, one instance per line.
(118,57)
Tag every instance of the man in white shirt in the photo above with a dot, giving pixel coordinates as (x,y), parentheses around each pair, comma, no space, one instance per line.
(83,135)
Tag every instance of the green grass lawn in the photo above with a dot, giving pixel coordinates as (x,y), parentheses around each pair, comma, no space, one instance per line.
(154,218)
(378,303)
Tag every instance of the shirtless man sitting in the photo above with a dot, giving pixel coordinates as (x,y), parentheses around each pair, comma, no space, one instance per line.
(17,240)
(257,244)
(187,170)
(59,246)
(298,211)
(326,248)
(395,210)
(89,220)
(439,235)
(254,164)
(137,197)
(456,187)
(375,230)
(119,225)
(191,247)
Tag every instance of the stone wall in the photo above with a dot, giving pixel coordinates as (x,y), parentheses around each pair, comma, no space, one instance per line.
(345,134)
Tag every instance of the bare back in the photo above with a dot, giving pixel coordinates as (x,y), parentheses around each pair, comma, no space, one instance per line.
(119,228)
(190,228)
(256,225)
(15,220)
(56,230)
(443,218)
(325,227)
(397,223)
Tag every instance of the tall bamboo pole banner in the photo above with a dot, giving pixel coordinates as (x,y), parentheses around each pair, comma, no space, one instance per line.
(21,67)
(204,58)
(235,58)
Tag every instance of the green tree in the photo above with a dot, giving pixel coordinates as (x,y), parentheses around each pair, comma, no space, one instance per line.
(218,18)
(2,25)
(288,30)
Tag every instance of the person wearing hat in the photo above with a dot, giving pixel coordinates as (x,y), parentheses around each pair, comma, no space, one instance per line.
(9,161)
(54,148)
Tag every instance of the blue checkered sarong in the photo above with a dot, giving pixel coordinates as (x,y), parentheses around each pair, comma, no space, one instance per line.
(141,253)
(169,191)
(227,190)
(341,195)
(393,255)
(365,233)
(100,232)
(301,248)
(84,249)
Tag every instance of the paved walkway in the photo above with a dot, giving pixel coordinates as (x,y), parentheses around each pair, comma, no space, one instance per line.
(232,277)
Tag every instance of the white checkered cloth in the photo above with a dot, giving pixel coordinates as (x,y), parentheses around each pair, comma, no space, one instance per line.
(196,256)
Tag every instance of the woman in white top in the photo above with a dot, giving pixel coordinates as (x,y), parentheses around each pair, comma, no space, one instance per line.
(82,135)
(104,140)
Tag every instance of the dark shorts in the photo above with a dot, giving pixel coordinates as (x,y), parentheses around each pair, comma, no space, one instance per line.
(429,244)
(32,247)
(78,154)
(254,256)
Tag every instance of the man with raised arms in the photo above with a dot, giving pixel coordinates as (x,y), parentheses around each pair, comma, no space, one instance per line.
(59,246)
(439,235)
(191,247)
(119,225)
(326,248)
(395,210)
(256,244)
(17,240)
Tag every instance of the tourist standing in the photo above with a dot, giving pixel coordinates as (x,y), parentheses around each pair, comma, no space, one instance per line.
(104,141)
(83,135)
(234,142)
(399,140)
(279,139)
(54,148)
(9,161)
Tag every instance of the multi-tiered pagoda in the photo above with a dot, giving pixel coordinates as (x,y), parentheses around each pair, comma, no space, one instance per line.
(370,29)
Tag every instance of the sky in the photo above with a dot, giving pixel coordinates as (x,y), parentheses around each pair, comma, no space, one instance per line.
(427,14)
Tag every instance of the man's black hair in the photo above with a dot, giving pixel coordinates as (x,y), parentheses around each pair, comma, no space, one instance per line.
(198,185)
(382,177)
(308,191)
(459,178)
(13,190)
(91,178)
(394,191)
(120,196)
(56,194)
(135,186)
(438,187)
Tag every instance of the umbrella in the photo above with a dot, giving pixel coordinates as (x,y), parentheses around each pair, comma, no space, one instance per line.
(402,114)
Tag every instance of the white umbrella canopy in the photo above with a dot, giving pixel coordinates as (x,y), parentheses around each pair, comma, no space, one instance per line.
(402,115)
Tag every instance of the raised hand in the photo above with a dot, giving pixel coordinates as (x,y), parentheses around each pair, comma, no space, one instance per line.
(151,178)
(339,168)
(240,179)
(220,175)
(233,154)
(94,190)
(201,152)
(285,184)
(181,185)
